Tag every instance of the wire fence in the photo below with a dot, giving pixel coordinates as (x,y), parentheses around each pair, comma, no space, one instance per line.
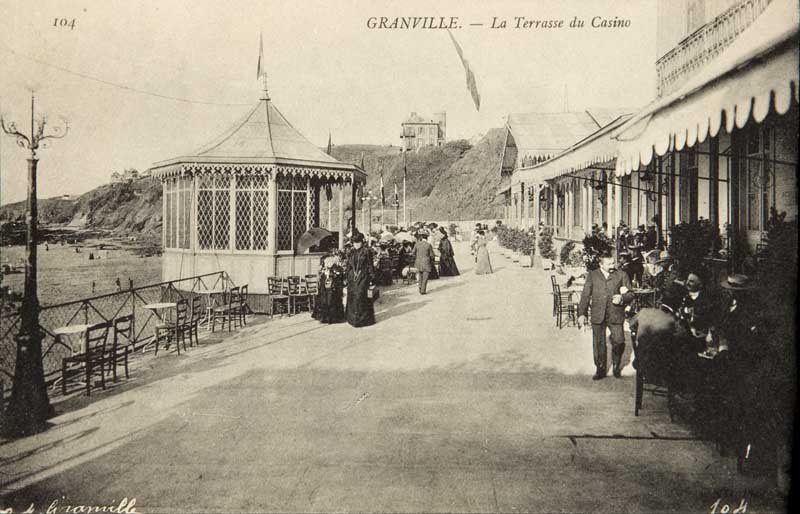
(98,309)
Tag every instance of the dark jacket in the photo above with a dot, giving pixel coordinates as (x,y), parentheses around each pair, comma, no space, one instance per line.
(423,256)
(598,291)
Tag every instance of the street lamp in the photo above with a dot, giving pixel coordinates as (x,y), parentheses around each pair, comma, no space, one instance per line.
(29,407)
(368,197)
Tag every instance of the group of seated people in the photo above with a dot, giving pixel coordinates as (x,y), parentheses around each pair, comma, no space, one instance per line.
(707,354)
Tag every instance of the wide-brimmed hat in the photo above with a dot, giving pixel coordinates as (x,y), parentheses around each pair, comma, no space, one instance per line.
(652,253)
(664,256)
(423,232)
(738,283)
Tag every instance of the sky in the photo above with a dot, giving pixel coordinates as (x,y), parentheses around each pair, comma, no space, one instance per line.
(327,72)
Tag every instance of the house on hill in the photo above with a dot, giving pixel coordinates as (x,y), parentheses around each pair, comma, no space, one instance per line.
(417,131)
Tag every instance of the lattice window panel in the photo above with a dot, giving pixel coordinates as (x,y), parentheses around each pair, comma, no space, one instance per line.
(169,218)
(251,212)
(180,215)
(312,212)
(205,221)
(260,220)
(298,215)
(244,232)
(222,219)
(284,223)
(187,218)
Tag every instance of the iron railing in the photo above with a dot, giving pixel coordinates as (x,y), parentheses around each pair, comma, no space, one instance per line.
(101,308)
(685,60)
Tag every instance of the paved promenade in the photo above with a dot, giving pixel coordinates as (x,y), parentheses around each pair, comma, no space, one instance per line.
(467,399)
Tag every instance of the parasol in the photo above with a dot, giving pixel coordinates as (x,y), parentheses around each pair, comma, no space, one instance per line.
(404,236)
(311,238)
(387,237)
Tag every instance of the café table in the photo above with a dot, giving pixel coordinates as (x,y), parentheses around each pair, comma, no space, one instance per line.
(74,337)
(211,295)
(158,309)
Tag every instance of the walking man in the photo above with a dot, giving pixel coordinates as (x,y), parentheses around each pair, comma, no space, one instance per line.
(607,290)
(423,259)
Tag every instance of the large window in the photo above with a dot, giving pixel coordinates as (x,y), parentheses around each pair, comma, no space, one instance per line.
(177,212)
(213,212)
(251,212)
(757,168)
(688,184)
(293,211)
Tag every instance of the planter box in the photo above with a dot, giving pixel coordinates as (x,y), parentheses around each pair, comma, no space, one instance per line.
(547,264)
(526,261)
(515,257)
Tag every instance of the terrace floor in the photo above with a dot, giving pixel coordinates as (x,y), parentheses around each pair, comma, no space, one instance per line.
(464,400)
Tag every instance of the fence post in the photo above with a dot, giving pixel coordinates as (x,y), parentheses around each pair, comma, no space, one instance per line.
(85,313)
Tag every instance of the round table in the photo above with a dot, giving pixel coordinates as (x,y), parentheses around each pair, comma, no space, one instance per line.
(66,335)
(210,303)
(156,308)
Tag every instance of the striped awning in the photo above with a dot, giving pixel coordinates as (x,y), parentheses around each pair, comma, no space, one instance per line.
(735,87)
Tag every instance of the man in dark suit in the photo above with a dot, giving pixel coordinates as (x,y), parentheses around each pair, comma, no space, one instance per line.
(423,259)
(607,290)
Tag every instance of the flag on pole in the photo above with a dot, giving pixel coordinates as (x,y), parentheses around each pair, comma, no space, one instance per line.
(396,198)
(261,70)
(383,198)
(330,146)
(405,168)
(328,188)
(472,86)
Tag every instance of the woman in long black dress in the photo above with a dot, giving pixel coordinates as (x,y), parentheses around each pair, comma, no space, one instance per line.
(447,261)
(360,275)
(330,308)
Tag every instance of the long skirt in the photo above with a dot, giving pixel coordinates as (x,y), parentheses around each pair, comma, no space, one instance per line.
(360,312)
(483,265)
(447,266)
(330,308)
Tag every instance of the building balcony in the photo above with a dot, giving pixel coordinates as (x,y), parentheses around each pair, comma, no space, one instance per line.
(679,64)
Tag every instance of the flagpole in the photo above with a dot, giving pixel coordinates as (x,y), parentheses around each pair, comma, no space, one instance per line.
(405,219)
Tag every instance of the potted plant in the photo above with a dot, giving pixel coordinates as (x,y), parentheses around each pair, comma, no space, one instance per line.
(546,250)
(595,246)
(528,248)
(692,242)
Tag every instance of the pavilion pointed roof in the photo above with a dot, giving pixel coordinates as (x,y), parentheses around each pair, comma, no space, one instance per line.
(260,140)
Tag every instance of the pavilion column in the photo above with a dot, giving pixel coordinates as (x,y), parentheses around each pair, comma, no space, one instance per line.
(342,228)
(568,211)
(524,209)
(587,208)
(536,205)
(618,200)
(353,192)
(610,207)
(272,205)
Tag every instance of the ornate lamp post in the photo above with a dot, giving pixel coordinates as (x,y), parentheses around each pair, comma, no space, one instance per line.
(29,407)
(368,197)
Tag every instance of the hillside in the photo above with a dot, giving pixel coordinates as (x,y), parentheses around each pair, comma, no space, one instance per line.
(455,181)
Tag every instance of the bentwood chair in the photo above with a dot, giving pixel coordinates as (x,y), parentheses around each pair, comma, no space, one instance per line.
(122,345)
(312,286)
(554,284)
(92,360)
(229,312)
(195,318)
(565,306)
(298,293)
(278,296)
(174,330)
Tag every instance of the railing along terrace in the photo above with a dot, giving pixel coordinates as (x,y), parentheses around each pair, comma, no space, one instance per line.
(678,65)
(98,309)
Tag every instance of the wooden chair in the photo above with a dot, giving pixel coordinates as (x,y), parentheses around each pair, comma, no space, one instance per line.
(554,285)
(122,345)
(298,293)
(227,313)
(277,295)
(312,285)
(175,330)
(243,309)
(396,269)
(196,316)
(92,360)
(565,305)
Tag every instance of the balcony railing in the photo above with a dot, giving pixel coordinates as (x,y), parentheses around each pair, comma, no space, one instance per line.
(99,309)
(679,64)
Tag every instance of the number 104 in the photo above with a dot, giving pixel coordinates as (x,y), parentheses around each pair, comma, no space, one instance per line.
(64,23)
(723,508)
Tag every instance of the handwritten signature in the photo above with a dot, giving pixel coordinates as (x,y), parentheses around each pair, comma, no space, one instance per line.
(125,506)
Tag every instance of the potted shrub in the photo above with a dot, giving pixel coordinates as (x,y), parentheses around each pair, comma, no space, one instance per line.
(595,245)
(528,248)
(546,250)
(692,242)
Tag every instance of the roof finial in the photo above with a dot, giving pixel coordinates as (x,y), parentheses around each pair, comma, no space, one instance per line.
(262,73)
